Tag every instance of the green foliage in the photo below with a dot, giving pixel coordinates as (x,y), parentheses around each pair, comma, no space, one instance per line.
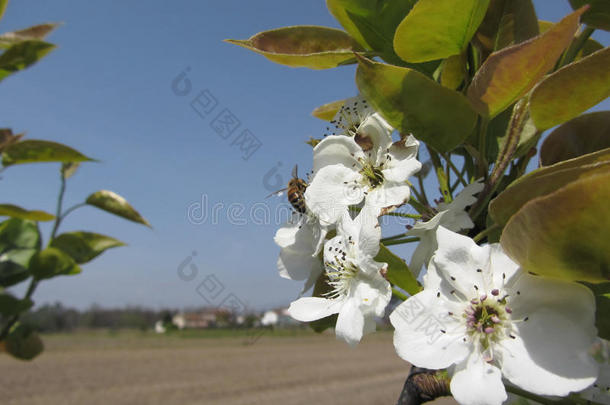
(84,246)
(398,272)
(372,23)
(23,343)
(52,262)
(549,235)
(545,181)
(17,233)
(35,151)
(303,46)
(437,29)
(584,134)
(22,55)
(598,16)
(115,204)
(10,210)
(36,32)
(571,90)
(602,304)
(10,306)
(14,266)
(411,102)
(510,73)
(327,111)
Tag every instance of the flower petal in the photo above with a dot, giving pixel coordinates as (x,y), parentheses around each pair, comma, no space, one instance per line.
(350,323)
(332,191)
(463,263)
(389,194)
(550,352)
(475,382)
(426,335)
(298,265)
(309,309)
(336,149)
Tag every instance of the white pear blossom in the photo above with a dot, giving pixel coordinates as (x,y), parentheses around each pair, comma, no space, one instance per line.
(359,290)
(300,240)
(451,216)
(485,318)
(599,392)
(348,170)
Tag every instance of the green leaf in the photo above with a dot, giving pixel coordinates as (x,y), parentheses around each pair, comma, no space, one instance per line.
(38,32)
(437,29)
(303,46)
(571,90)
(84,246)
(585,134)
(34,151)
(52,262)
(14,266)
(588,48)
(598,15)
(507,22)
(602,308)
(17,233)
(24,343)
(115,204)
(510,73)
(3,4)
(372,23)
(453,71)
(543,182)
(14,211)
(9,305)
(22,55)
(564,234)
(327,111)
(320,288)
(398,272)
(7,138)
(411,102)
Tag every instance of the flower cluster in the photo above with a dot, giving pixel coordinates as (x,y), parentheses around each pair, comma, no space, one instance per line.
(480,315)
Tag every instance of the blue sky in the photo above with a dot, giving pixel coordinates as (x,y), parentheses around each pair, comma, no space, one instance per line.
(107,91)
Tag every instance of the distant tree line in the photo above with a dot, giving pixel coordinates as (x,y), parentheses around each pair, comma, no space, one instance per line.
(57,318)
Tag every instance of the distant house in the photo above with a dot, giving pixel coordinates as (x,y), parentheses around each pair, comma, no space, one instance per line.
(159,328)
(270,318)
(204,318)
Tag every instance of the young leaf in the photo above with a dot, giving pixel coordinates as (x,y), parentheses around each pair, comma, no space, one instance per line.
(564,234)
(571,90)
(588,48)
(34,151)
(507,22)
(84,246)
(17,233)
(22,55)
(452,74)
(437,29)
(23,343)
(411,102)
(372,23)
(584,134)
(115,204)
(35,32)
(14,211)
(9,305)
(52,262)
(303,46)
(543,182)
(398,271)
(510,73)
(598,15)
(327,111)
(13,266)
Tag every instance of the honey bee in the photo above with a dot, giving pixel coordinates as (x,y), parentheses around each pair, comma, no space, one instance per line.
(295,191)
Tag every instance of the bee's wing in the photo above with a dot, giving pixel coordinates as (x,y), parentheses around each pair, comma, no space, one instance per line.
(277,193)
(295,172)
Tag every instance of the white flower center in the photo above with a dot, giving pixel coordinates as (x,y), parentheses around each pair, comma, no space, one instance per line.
(341,271)
(488,319)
